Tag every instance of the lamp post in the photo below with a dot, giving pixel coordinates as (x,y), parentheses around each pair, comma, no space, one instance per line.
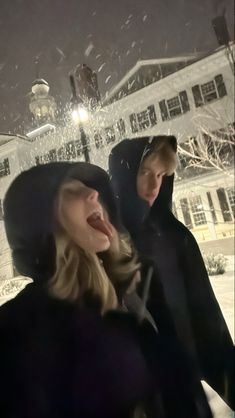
(79,116)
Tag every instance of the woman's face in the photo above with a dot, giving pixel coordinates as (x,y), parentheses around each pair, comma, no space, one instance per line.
(84,218)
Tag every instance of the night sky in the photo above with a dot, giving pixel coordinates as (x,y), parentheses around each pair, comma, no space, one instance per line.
(109,36)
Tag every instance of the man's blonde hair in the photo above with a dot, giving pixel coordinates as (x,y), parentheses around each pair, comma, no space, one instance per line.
(81,276)
(165,153)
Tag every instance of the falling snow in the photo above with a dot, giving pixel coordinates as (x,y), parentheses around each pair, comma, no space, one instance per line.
(107,79)
(145,17)
(101,67)
(89,49)
(63,56)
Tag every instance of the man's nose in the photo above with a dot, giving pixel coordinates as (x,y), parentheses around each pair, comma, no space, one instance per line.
(154,182)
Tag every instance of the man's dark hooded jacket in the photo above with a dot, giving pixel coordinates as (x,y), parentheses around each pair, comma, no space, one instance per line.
(62,360)
(180,288)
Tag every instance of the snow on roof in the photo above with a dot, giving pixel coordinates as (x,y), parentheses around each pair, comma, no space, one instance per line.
(143,63)
(161,61)
(5,137)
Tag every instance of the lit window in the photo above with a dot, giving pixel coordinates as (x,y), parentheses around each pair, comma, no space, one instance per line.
(197,210)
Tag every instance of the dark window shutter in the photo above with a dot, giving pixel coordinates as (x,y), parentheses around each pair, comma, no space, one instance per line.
(224,204)
(1,210)
(121,127)
(52,156)
(197,96)
(152,115)
(133,121)
(186,213)
(7,167)
(184,101)
(212,208)
(163,109)
(220,85)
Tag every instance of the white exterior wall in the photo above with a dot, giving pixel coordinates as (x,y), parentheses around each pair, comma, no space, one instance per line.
(212,116)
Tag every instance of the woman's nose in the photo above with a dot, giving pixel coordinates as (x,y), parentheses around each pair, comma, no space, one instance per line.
(92,194)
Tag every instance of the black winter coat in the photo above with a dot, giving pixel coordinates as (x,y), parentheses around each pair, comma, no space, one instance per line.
(181,297)
(59,359)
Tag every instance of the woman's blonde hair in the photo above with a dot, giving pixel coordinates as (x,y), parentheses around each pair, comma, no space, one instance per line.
(166,154)
(88,278)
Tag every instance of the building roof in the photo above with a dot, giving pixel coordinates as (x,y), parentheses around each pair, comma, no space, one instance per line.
(7,137)
(159,64)
(146,72)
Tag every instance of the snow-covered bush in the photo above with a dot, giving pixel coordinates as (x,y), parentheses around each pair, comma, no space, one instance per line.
(215,263)
(7,287)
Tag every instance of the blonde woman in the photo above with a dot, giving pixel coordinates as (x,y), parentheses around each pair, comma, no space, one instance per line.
(62,355)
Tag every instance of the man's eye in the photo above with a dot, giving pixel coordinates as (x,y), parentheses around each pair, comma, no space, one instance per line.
(144,172)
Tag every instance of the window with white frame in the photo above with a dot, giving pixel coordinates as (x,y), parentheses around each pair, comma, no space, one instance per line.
(121,128)
(209,91)
(98,140)
(110,134)
(231,198)
(143,120)
(4,168)
(197,210)
(174,106)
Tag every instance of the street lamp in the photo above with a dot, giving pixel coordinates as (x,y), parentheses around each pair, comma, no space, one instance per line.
(80,116)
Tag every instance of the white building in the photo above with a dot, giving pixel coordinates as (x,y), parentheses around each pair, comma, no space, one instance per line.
(183,96)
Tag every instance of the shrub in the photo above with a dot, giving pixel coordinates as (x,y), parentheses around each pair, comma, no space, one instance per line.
(7,287)
(215,263)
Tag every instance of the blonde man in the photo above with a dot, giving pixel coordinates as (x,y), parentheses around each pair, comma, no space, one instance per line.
(181,299)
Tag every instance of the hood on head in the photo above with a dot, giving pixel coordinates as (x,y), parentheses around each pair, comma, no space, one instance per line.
(124,162)
(29,212)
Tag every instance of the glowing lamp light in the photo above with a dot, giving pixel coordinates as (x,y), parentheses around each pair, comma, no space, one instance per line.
(80,114)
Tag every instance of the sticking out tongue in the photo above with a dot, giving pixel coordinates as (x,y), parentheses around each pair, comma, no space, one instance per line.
(100,225)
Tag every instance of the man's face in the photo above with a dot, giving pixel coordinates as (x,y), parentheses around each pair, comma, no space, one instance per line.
(149,178)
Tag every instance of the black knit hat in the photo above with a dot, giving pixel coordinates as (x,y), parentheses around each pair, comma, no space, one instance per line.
(29,212)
